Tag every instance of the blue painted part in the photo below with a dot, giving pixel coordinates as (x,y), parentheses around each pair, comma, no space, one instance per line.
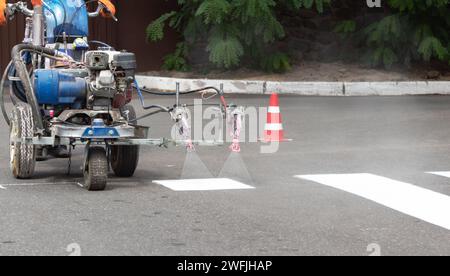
(138,89)
(98,123)
(101,133)
(75,14)
(53,87)
(27,58)
(80,44)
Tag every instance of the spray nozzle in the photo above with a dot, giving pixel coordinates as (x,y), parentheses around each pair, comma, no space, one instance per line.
(235,116)
(181,116)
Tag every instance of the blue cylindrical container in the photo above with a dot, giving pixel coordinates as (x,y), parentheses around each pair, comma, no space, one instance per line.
(59,88)
(69,16)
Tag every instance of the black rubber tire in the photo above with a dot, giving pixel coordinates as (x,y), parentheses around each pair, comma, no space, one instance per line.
(22,156)
(125,159)
(96,171)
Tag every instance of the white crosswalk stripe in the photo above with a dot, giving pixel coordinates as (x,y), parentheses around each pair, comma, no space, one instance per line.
(444,174)
(406,198)
(213,184)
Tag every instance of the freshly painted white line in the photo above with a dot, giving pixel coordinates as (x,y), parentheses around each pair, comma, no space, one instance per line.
(412,200)
(444,174)
(3,188)
(37,184)
(212,184)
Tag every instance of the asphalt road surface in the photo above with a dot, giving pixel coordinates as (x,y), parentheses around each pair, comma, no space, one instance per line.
(355,180)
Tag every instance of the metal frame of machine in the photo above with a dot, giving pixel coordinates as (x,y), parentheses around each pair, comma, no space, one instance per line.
(65,94)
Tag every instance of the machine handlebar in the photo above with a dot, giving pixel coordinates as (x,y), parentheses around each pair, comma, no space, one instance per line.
(109,10)
(2,12)
(105,9)
(36,2)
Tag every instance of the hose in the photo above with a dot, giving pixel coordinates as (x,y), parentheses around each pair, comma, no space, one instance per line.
(218,92)
(17,87)
(147,115)
(14,98)
(2,91)
(141,98)
(22,73)
(145,90)
(101,43)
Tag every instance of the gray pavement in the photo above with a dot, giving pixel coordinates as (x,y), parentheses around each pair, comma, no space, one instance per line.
(400,138)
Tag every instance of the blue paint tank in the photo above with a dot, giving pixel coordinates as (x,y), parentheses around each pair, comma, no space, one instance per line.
(61,87)
(69,16)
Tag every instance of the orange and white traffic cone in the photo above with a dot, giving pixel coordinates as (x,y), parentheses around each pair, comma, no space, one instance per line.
(274,131)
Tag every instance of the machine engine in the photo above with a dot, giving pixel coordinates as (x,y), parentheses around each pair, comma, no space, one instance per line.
(104,83)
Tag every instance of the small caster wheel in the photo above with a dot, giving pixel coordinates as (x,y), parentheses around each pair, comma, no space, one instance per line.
(125,159)
(41,154)
(96,169)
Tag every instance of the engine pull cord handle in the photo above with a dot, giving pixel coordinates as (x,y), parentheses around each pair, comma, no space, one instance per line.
(2,12)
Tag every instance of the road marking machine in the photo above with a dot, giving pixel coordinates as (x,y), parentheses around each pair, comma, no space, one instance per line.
(68,91)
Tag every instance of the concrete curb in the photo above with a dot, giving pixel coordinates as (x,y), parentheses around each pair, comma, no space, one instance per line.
(302,88)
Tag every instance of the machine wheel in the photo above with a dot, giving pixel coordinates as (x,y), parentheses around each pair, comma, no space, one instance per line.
(125,159)
(96,170)
(22,156)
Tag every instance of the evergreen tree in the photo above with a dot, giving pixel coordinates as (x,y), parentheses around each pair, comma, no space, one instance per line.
(410,30)
(235,30)
(246,32)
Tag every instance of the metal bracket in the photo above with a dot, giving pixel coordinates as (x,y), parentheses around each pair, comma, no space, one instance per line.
(156,142)
(86,156)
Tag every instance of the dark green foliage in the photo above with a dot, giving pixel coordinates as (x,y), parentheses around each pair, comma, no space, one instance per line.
(247,32)
(276,63)
(413,30)
(346,28)
(235,30)
(176,61)
(308,4)
(155,31)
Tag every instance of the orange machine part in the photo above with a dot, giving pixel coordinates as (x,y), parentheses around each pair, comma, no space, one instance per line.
(2,12)
(36,2)
(110,6)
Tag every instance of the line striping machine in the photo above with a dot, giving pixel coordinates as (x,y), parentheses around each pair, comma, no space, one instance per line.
(68,91)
